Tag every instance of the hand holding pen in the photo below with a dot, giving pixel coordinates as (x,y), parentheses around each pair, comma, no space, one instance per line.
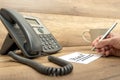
(106,34)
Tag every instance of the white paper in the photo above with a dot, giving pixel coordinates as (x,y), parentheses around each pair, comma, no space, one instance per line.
(79,57)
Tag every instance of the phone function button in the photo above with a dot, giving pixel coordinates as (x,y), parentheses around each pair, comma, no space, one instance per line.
(40,30)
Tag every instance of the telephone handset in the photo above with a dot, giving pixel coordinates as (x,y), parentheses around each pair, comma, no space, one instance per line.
(33,39)
(16,25)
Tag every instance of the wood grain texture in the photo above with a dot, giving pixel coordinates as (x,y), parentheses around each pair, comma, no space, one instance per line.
(68,29)
(96,8)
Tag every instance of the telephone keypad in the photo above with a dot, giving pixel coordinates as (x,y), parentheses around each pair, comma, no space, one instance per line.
(48,42)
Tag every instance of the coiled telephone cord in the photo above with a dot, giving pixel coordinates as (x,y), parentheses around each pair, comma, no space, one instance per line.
(65,68)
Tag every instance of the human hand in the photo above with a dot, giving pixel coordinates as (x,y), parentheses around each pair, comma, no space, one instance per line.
(108,46)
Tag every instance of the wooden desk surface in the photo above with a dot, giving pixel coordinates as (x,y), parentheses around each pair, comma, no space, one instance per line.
(101,69)
(104,68)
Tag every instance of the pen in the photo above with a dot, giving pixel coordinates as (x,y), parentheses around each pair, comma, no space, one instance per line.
(106,34)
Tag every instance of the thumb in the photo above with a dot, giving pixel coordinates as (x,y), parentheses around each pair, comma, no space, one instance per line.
(103,43)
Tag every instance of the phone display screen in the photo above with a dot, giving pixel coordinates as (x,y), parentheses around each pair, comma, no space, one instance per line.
(38,27)
(32,21)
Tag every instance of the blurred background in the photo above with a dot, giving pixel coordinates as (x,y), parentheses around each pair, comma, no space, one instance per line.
(95,8)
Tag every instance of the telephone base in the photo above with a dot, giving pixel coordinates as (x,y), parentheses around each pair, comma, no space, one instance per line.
(8,45)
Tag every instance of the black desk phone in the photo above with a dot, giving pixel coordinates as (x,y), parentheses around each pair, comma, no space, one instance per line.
(30,36)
